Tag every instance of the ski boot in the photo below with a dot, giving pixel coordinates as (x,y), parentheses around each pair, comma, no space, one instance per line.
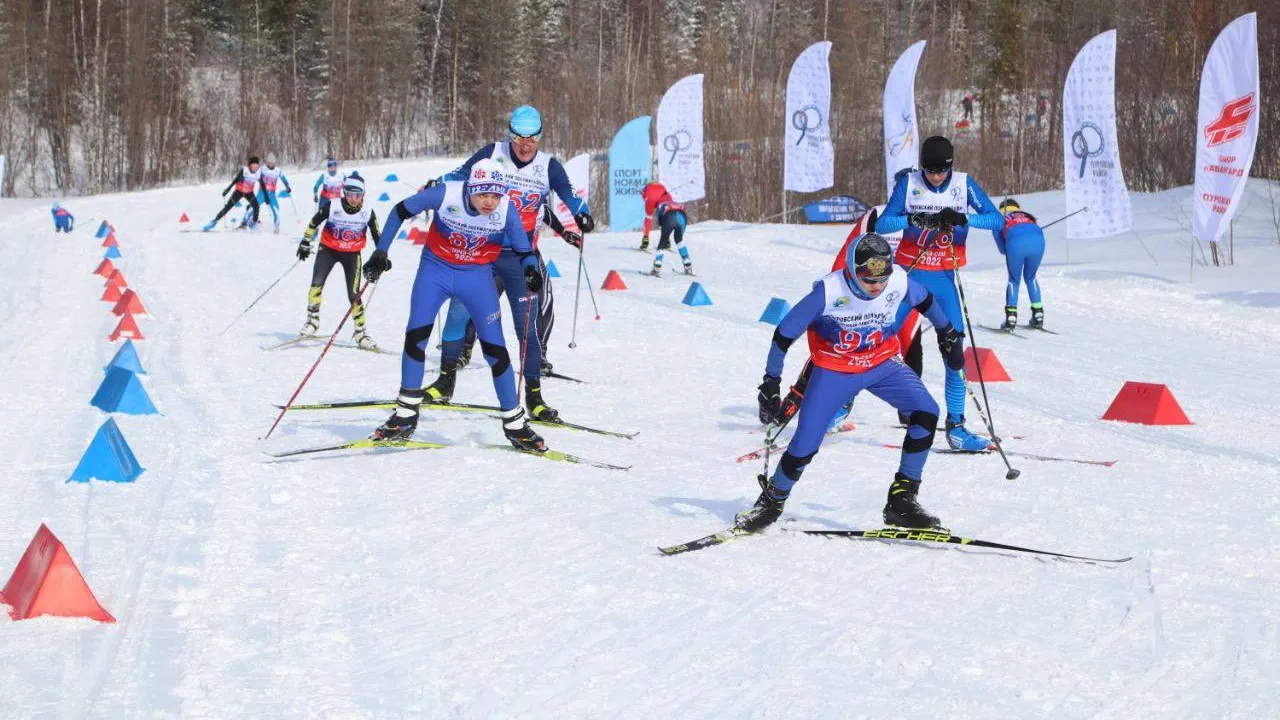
(312,325)
(644,244)
(1037,317)
(546,366)
(538,408)
(440,392)
(959,438)
(1010,318)
(903,509)
(276,227)
(209,226)
(516,427)
(403,421)
(766,510)
(363,341)
(657,269)
(688,267)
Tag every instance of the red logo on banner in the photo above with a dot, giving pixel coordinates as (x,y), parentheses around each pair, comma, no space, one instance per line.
(1231,122)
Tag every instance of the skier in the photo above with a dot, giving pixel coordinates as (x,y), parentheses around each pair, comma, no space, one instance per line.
(929,206)
(849,316)
(244,182)
(671,218)
(1021,241)
(329,185)
(271,176)
(63,220)
(347,225)
(791,403)
(532,175)
(475,222)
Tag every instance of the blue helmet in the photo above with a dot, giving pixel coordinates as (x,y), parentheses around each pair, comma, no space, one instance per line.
(526,121)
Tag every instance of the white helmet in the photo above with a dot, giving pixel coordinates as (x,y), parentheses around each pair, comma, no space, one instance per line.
(487,176)
(271,159)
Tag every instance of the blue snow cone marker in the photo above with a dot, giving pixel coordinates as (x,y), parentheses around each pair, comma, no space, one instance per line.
(121,391)
(103,230)
(112,252)
(552,270)
(696,295)
(392,178)
(775,311)
(126,358)
(384,197)
(403,235)
(108,458)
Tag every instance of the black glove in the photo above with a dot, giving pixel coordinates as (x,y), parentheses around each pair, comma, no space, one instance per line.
(770,403)
(377,264)
(585,222)
(952,218)
(951,343)
(573,238)
(923,220)
(532,278)
(433,182)
(790,404)
(304,250)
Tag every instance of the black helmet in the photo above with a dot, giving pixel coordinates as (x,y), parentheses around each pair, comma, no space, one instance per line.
(936,154)
(870,257)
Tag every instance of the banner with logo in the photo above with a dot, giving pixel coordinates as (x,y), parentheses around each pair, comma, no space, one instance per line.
(579,171)
(1090,153)
(630,167)
(837,209)
(679,141)
(1226,126)
(901,137)
(809,162)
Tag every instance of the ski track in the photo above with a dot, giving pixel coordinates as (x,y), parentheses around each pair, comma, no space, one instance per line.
(465,583)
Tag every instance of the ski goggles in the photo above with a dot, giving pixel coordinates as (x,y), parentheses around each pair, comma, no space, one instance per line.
(875,271)
(518,137)
(332,164)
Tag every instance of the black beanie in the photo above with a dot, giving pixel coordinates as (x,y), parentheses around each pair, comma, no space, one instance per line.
(936,154)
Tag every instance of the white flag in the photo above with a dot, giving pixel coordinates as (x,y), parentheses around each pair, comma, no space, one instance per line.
(901,138)
(810,158)
(579,171)
(1227,126)
(679,140)
(1090,153)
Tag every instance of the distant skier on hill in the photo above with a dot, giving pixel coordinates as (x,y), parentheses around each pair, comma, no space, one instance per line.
(244,182)
(348,224)
(929,207)
(671,219)
(329,185)
(474,223)
(1021,241)
(849,317)
(63,220)
(271,177)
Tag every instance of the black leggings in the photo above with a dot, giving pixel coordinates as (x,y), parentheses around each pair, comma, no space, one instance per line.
(326,258)
(236,197)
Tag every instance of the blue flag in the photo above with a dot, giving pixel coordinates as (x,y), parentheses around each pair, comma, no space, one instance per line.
(630,164)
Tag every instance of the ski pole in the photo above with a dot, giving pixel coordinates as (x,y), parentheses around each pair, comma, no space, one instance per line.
(295,264)
(590,288)
(1064,217)
(577,293)
(294,205)
(524,339)
(315,365)
(995,440)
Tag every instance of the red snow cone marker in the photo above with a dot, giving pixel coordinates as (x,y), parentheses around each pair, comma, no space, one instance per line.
(613,281)
(129,302)
(418,236)
(126,328)
(1146,404)
(116,279)
(110,240)
(111,294)
(992,370)
(105,268)
(47,582)
(184,218)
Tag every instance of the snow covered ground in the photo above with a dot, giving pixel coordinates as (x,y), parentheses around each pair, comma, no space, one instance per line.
(469,583)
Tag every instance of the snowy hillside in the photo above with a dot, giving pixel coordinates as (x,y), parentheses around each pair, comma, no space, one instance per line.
(471,583)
